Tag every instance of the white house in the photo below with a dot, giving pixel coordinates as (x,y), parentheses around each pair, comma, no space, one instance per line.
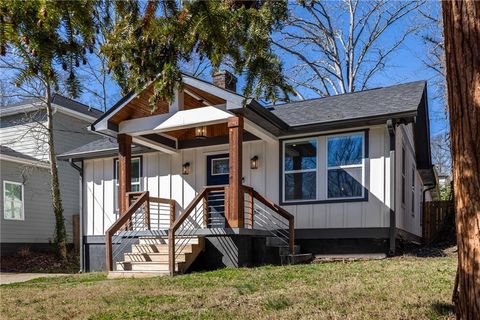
(348,172)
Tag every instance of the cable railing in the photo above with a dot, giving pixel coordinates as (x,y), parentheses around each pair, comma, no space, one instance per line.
(262,213)
(194,218)
(136,219)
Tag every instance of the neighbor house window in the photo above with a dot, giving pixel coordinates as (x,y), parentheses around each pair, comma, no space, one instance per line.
(413,189)
(13,200)
(300,170)
(345,166)
(404,172)
(136,183)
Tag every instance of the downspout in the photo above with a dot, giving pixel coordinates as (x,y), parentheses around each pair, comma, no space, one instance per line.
(80,181)
(393,228)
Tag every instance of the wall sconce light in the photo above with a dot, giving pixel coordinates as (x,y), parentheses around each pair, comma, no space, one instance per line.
(186,168)
(201,132)
(254,162)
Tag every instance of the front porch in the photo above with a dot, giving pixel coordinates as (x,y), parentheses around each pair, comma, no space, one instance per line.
(223,207)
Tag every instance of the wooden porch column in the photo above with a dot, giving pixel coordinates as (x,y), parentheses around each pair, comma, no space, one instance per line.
(235,214)
(124,170)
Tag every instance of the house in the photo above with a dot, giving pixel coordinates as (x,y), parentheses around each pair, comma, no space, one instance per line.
(216,179)
(27,213)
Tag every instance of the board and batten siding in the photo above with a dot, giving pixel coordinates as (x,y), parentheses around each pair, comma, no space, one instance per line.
(373,213)
(162,177)
(406,219)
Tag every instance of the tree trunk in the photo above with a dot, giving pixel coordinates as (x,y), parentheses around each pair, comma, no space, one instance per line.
(462,49)
(60,232)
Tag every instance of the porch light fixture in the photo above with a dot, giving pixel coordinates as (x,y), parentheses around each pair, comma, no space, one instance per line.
(186,168)
(201,132)
(254,162)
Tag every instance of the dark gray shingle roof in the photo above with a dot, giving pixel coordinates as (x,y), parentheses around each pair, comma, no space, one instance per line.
(105,146)
(58,100)
(375,102)
(76,106)
(12,153)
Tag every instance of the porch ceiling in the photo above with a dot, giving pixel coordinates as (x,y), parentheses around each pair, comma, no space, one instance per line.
(183,119)
(140,106)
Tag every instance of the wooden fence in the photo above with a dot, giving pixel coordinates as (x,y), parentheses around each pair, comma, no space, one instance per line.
(434,216)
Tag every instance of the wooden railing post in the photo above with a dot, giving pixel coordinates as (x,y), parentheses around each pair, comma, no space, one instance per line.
(147,213)
(250,206)
(172,213)
(205,210)
(171,251)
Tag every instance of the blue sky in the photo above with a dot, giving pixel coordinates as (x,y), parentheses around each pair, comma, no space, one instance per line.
(405,65)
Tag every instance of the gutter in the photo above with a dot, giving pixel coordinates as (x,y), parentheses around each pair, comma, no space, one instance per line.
(391,126)
(80,181)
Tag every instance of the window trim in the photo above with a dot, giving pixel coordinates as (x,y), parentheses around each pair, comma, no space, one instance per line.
(211,166)
(320,197)
(5,182)
(115,180)
(349,166)
(283,172)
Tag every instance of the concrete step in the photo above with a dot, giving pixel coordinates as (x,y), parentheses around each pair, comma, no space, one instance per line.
(146,266)
(159,248)
(154,257)
(135,274)
(164,240)
(296,258)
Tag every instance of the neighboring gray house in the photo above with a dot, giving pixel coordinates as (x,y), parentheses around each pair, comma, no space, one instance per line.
(27,217)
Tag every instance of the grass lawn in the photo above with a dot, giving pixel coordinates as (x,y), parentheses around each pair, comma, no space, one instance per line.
(398,288)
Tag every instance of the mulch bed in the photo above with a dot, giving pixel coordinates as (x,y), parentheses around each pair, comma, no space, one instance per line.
(42,262)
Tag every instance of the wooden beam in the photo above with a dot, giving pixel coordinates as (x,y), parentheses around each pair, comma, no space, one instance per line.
(124,170)
(235,214)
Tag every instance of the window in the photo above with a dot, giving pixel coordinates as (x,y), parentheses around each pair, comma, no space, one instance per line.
(345,166)
(135,178)
(413,190)
(404,170)
(300,170)
(13,201)
(220,166)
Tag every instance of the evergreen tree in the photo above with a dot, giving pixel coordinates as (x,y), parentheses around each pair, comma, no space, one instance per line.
(43,42)
(151,40)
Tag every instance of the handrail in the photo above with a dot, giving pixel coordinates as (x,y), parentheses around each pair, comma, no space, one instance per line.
(178,222)
(119,224)
(277,209)
(142,198)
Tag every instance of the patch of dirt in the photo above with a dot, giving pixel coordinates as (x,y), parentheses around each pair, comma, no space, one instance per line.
(41,262)
(443,245)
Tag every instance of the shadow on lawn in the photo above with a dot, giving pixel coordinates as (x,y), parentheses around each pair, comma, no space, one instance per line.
(443,309)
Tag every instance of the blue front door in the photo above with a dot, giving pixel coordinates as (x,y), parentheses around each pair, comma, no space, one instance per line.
(217,174)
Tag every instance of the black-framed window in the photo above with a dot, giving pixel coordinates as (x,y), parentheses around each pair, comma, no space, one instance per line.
(345,166)
(136,178)
(300,170)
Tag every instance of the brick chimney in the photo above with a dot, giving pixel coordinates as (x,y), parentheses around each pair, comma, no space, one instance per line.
(225,79)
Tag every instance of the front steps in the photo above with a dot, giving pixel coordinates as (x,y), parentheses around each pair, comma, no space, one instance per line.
(149,258)
(286,257)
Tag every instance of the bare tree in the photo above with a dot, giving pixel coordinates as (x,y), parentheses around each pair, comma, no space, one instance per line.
(441,154)
(339,46)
